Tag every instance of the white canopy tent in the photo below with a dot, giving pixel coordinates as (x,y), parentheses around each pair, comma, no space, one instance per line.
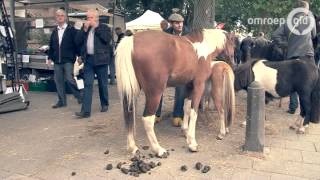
(149,20)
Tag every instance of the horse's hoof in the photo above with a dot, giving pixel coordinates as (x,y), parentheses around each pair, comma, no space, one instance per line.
(177,121)
(220,137)
(193,148)
(293,127)
(164,155)
(243,124)
(161,152)
(158,119)
(227,131)
(134,151)
(301,131)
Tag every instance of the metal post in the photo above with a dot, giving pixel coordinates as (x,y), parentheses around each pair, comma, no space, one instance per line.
(255,133)
(66,9)
(12,16)
(14,45)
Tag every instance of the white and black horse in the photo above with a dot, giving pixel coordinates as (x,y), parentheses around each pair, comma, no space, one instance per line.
(256,48)
(280,79)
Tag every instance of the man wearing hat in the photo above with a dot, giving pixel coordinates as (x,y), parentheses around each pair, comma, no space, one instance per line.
(176,28)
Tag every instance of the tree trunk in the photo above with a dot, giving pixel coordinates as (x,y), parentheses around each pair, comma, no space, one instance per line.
(204,14)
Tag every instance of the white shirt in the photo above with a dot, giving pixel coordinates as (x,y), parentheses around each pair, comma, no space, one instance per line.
(90,42)
(61,31)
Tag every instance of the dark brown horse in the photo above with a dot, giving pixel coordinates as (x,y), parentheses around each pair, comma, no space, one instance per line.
(151,60)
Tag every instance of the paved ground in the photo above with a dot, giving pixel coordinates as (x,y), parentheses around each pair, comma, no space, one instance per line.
(42,143)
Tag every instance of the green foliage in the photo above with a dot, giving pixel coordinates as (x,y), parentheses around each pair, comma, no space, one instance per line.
(227,11)
(230,11)
(135,8)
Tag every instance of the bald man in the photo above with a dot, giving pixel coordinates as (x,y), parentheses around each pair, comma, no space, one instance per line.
(95,40)
(63,52)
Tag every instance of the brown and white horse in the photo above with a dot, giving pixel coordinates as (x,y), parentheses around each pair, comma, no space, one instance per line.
(220,87)
(152,60)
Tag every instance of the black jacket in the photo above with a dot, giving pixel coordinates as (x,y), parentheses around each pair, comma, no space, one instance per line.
(68,51)
(102,44)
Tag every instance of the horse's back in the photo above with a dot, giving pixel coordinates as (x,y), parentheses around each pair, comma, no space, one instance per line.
(295,75)
(220,66)
(162,54)
(294,67)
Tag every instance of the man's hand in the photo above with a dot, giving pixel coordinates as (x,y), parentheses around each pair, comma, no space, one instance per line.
(94,24)
(86,26)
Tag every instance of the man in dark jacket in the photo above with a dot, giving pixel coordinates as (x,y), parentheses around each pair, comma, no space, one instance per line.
(299,44)
(112,69)
(94,38)
(63,52)
(177,28)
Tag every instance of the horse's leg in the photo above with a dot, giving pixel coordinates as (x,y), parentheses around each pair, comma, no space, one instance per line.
(186,116)
(216,93)
(196,96)
(219,107)
(296,123)
(305,106)
(129,117)
(202,103)
(152,102)
(280,103)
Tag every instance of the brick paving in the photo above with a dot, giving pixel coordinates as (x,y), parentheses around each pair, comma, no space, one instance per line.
(45,144)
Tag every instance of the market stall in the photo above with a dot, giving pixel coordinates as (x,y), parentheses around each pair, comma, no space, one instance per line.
(148,21)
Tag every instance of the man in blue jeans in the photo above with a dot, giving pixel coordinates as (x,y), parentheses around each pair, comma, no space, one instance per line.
(177,28)
(299,45)
(63,52)
(94,38)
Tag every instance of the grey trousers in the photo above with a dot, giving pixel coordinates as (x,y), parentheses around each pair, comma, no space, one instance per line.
(64,73)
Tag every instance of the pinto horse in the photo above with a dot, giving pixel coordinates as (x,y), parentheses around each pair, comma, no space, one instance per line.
(152,60)
(280,79)
(220,87)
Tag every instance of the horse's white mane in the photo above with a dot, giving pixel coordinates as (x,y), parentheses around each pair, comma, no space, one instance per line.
(213,39)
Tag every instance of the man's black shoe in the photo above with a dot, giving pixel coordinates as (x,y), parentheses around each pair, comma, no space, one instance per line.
(291,111)
(58,105)
(82,115)
(104,109)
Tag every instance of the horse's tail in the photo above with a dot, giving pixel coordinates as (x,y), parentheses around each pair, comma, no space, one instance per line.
(315,102)
(128,86)
(229,95)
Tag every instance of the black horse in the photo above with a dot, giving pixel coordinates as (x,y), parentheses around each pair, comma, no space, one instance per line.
(257,48)
(280,79)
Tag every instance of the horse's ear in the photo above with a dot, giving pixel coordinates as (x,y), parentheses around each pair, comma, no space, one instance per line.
(232,37)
